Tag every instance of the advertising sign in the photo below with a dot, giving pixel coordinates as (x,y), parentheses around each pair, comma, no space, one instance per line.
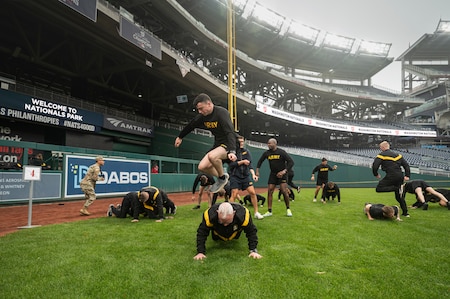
(312,122)
(28,108)
(127,126)
(121,176)
(140,37)
(14,187)
(87,8)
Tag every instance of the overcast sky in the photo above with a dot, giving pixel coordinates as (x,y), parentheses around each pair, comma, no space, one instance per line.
(399,22)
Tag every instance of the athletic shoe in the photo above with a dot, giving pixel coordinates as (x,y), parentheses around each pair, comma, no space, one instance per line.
(262,206)
(135,220)
(323,201)
(267,214)
(196,207)
(259,216)
(425,206)
(219,184)
(109,213)
(406,215)
(84,212)
(288,213)
(314,200)
(174,211)
(298,189)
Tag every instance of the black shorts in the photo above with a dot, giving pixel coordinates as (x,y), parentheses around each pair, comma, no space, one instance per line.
(239,183)
(321,182)
(226,160)
(417,184)
(274,180)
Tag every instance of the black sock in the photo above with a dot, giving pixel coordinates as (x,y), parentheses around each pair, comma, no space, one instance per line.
(270,210)
(222,177)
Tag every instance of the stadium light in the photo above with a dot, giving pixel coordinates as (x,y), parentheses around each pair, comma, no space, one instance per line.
(246,7)
(303,32)
(374,48)
(338,42)
(268,16)
(443,26)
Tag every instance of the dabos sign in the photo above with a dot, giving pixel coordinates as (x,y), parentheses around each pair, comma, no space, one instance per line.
(121,176)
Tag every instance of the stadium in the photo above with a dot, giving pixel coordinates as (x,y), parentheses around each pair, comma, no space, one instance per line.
(118,79)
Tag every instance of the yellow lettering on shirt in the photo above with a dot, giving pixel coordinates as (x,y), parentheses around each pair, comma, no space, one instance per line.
(273,157)
(211,124)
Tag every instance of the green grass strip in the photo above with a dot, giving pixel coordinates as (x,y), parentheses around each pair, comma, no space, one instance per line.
(323,251)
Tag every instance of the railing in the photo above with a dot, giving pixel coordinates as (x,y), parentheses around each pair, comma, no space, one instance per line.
(345,158)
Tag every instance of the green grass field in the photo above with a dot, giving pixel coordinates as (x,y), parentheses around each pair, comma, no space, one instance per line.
(323,251)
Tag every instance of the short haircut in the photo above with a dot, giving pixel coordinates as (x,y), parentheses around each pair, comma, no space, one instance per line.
(273,140)
(225,209)
(324,159)
(143,196)
(384,145)
(203,98)
(388,212)
(99,158)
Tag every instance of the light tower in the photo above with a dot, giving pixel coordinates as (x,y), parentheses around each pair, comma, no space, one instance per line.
(231,64)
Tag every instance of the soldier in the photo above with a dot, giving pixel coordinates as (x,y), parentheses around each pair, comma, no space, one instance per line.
(87,184)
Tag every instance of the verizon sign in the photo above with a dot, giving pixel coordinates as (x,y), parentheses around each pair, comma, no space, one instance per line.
(127,126)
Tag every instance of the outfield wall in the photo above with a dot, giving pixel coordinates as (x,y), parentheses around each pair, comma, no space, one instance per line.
(176,174)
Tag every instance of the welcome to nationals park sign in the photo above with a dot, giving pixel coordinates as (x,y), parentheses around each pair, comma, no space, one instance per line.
(28,108)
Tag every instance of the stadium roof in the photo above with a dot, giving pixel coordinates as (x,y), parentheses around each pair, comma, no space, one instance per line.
(47,45)
(430,47)
(275,39)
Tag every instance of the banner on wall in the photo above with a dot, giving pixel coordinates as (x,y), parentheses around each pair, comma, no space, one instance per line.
(121,176)
(127,126)
(13,187)
(140,37)
(28,108)
(87,8)
(312,122)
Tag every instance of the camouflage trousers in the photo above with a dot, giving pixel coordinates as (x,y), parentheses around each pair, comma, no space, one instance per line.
(89,194)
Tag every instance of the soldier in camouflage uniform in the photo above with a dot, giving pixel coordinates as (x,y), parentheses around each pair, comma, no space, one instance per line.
(87,184)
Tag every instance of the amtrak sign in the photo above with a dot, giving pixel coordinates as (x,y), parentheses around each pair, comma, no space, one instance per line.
(127,126)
